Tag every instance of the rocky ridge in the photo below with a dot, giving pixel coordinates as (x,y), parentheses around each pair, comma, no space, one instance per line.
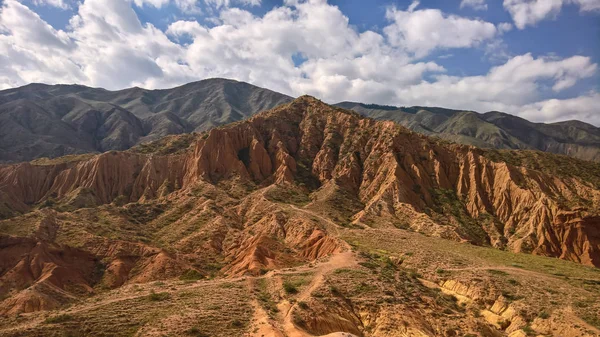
(269,193)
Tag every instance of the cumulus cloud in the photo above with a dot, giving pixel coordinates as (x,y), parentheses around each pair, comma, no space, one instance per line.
(190,6)
(530,12)
(154,3)
(519,82)
(584,108)
(587,5)
(227,3)
(53,3)
(300,47)
(478,5)
(422,31)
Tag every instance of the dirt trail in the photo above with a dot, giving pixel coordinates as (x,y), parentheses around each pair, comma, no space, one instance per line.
(332,224)
(341,260)
(263,325)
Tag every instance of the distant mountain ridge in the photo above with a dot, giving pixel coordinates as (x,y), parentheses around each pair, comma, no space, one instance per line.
(39,120)
(491,129)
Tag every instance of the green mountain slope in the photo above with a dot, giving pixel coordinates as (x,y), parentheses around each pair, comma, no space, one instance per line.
(40,120)
(492,129)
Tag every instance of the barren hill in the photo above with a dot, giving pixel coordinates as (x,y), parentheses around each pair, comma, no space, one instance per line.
(315,220)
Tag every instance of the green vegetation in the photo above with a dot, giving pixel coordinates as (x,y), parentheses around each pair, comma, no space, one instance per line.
(167,145)
(448,204)
(62,160)
(543,314)
(290,288)
(58,319)
(196,332)
(156,297)
(410,242)
(303,305)
(191,275)
(497,272)
(287,196)
(265,298)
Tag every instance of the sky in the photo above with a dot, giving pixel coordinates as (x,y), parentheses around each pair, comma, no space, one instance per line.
(537,59)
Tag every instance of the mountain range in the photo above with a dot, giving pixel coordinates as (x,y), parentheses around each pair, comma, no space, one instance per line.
(40,120)
(303,220)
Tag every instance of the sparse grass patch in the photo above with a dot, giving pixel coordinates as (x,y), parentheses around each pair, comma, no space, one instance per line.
(191,275)
(265,298)
(195,331)
(290,288)
(58,319)
(497,272)
(156,297)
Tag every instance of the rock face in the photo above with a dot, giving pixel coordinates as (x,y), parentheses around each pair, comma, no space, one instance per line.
(228,203)
(401,179)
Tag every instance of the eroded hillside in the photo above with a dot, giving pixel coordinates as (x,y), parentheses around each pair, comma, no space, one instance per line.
(267,207)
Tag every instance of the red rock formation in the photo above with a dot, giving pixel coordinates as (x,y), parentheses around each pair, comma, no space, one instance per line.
(397,177)
(395,173)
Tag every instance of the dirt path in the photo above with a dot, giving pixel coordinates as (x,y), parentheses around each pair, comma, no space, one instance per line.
(341,260)
(332,224)
(262,324)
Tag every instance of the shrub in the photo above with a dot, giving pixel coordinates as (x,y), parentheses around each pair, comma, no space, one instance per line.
(528,330)
(190,275)
(290,288)
(503,324)
(195,331)
(497,272)
(514,282)
(58,319)
(158,296)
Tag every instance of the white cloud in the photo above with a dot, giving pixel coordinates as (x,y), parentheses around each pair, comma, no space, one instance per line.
(504,27)
(584,108)
(154,3)
(587,5)
(422,31)
(530,12)
(478,5)
(191,6)
(413,5)
(514,87)
(53,3)
(227,3)
(106,45)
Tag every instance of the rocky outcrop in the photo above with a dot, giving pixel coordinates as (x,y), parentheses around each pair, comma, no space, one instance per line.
(400,177)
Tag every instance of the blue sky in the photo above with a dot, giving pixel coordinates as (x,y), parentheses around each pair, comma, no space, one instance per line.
(534,58)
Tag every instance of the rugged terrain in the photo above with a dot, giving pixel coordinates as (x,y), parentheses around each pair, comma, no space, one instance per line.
(491,129)
(305,220)
(38,120)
